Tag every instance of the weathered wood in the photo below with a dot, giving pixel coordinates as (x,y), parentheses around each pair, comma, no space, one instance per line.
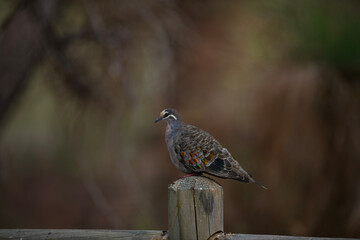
(195,208)
(222,236)
(63,234)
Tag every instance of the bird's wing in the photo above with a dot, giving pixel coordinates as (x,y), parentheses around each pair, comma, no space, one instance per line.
(200,152)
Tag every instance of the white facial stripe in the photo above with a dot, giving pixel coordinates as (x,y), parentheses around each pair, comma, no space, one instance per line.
(172,115)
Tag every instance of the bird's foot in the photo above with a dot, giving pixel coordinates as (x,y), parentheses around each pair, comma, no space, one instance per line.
(191,174)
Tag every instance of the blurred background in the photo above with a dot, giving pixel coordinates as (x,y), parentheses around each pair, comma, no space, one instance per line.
(276,82)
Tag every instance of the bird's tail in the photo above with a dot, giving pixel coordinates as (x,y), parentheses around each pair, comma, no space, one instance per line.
(246,177)
(257,183)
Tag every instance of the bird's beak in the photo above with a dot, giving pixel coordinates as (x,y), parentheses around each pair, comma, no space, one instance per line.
(158,119)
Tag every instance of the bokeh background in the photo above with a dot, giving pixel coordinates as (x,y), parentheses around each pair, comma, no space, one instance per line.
(276,82)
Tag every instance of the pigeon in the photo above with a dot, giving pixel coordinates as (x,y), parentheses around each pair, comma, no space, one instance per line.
(194,151)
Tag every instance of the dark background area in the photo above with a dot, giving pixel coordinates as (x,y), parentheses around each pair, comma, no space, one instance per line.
(276,82)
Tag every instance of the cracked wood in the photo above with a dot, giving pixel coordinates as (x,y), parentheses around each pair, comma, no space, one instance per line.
(195,208)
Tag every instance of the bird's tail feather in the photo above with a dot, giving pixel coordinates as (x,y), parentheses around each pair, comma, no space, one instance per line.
(257,183)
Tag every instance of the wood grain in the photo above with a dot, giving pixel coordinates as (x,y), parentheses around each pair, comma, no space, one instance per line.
(229,236)
(63,234)
(195,208)
(67,234)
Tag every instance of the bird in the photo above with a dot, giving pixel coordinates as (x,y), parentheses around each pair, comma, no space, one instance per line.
(194,151)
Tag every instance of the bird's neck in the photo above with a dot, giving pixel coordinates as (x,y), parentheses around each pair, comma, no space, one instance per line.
(173,126)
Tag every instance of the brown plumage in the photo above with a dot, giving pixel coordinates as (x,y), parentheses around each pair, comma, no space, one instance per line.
(195,151)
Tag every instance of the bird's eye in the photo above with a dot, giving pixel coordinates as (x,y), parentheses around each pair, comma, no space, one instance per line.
(166,115)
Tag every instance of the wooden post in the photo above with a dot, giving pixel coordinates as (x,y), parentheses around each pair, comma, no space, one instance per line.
(195,208)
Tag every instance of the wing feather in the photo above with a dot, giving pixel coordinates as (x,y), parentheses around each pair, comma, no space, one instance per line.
(200,152)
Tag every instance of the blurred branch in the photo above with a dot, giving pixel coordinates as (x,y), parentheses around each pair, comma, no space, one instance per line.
(20,48)
(27,35)
(21,5)
(74,75)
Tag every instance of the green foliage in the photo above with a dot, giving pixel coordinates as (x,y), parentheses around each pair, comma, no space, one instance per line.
(324,31)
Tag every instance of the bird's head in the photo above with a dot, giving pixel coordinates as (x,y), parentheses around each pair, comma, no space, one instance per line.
(170,115)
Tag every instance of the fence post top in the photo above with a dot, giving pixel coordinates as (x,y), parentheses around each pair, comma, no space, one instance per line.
(195,183)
